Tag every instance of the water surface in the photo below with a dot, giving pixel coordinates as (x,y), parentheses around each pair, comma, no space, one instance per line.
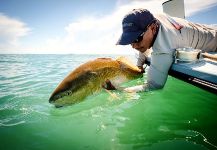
(180,116)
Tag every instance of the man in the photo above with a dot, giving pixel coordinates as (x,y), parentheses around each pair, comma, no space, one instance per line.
(163,34)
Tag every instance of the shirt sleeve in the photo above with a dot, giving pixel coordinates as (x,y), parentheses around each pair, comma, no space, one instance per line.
(158,70)
(141,59)
(157,73)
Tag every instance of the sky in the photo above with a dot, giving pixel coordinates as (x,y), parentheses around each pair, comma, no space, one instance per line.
(79,26)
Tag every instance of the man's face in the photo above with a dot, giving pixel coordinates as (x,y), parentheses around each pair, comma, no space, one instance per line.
(145,44)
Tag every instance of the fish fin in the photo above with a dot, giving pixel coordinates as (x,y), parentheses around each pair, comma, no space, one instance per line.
(113,95)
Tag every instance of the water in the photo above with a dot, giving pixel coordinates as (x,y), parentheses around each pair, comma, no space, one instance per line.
(180,116)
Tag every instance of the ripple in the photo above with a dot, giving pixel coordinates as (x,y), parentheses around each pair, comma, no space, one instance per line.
(126,119)
(11,124)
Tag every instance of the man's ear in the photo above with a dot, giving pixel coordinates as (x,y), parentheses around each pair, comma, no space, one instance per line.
(153,28)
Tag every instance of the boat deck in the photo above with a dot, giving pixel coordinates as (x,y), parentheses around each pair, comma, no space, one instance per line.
(202,74)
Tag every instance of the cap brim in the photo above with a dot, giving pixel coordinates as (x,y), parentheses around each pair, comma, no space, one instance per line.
(128,38)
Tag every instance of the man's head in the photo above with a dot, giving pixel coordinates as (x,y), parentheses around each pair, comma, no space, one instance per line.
(138,29)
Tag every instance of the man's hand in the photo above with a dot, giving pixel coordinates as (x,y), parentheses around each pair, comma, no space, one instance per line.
(129,90)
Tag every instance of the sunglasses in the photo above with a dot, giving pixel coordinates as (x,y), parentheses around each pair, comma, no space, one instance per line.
(139,38)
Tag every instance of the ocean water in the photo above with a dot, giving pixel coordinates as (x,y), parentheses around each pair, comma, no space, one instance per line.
(180,116)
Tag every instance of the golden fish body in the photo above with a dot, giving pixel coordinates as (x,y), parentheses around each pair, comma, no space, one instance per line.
(89,77)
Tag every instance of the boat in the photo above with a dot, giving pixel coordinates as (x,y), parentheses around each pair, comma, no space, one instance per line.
(198,71)
(202,73)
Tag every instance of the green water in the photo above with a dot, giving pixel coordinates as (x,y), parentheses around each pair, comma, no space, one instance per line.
(180,116)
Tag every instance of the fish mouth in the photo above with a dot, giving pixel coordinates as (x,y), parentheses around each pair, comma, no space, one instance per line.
(53,98)
(55,101)
(52,101)
(58,95)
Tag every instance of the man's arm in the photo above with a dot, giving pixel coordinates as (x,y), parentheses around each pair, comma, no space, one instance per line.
(157,73)
(141,61)
(210,56)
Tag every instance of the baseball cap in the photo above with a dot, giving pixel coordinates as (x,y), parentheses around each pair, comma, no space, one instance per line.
(134,24)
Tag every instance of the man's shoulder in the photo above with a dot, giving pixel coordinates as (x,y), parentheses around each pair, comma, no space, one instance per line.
(165,19)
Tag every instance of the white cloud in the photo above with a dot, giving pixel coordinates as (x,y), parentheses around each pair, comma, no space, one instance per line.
(11,30)
(99,35)
(194,6)
(91,34)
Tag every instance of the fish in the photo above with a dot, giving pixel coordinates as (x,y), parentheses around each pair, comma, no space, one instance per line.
(90,77)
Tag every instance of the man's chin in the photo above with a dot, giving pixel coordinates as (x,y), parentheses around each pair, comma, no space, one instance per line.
(142,50)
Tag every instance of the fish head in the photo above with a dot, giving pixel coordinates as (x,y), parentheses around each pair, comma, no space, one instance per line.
(61,95)
(59,99)
(65,98)
(71,90)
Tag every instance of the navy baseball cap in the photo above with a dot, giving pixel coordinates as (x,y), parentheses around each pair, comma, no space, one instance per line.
(134,24)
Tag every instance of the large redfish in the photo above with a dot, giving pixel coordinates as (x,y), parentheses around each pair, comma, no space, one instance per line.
(89,78)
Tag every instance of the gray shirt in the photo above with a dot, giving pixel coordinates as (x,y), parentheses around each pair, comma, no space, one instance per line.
(169,38)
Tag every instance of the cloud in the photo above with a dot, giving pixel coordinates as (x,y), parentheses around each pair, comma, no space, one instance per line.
(94,34)
(11,30)
(194,6)
(88,34)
